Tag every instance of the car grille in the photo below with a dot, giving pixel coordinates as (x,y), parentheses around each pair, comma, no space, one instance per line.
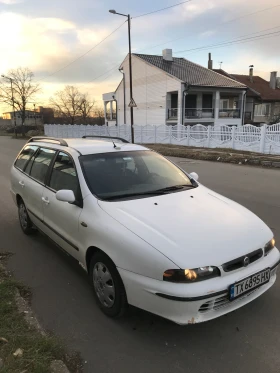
(239,262)
(222,301)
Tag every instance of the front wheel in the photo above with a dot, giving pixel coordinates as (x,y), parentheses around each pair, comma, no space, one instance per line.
(107,285)
(24,220)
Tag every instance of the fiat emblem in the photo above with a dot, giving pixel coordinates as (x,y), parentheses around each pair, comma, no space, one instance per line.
(246,261)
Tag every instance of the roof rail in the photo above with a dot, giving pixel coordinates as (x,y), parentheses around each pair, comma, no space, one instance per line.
(48,139)
(107,137)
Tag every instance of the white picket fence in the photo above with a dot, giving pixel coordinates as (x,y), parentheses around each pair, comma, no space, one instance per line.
(265,139)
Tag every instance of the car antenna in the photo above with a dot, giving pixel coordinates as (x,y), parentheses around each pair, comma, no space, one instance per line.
(115,146)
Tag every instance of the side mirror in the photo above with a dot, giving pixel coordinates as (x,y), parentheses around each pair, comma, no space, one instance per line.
(194,175)
(65,195)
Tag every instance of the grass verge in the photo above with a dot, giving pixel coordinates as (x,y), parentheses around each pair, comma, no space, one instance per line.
(38,350)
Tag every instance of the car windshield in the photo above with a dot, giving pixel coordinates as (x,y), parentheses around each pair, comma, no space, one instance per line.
(134,174)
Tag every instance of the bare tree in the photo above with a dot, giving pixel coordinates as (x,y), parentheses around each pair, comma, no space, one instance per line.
(17,88)
(71,105)
(98,114)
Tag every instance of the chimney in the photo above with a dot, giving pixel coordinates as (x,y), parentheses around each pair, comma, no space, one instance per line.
(251,73)
(273,78)
(210,62)
(167,54)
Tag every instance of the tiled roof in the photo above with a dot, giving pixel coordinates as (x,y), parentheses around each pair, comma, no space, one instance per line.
(259,87)
(190,72)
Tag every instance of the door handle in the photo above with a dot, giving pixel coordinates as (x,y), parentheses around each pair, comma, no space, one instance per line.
(21,183)
(46,200)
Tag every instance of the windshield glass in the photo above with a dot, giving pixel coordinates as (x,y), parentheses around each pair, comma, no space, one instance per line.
(124,174)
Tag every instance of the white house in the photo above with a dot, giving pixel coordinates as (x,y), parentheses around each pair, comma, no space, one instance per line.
(172,90)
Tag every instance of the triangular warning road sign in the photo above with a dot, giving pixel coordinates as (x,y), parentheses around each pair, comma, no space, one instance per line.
(132,103)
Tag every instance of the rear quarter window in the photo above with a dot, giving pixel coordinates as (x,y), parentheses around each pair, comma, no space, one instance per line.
(25,156)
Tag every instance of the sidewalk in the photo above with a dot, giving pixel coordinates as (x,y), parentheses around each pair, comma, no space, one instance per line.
(218,155)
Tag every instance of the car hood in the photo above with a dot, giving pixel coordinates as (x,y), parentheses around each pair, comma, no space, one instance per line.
(193,228)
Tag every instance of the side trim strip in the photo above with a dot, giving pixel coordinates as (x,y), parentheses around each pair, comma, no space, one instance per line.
(192,299)
(58,234)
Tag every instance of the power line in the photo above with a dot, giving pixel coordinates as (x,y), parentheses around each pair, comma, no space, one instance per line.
(160,10)
(84,54)
(229,42)
(221,24)
(249,14)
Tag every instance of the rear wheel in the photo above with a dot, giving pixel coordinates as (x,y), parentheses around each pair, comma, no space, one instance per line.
(24,220)
(107,285)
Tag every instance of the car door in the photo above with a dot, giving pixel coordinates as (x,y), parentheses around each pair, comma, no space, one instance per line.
(37,170)
(19,179)
(62,218)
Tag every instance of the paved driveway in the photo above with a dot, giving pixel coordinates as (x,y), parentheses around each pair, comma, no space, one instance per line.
(247,340)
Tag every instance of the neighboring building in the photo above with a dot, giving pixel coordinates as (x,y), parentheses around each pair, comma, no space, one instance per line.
(262,98)
(171,90)
(38,116)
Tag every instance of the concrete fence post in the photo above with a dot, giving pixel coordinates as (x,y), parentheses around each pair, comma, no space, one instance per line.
(170,134)
(262,142)
(233,129)
(141,134)
(208,136)
(155,134)
(188,135)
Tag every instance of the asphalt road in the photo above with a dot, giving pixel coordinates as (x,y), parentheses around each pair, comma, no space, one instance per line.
(247,340)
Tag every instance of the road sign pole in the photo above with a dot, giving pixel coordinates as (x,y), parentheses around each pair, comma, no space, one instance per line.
(130,81)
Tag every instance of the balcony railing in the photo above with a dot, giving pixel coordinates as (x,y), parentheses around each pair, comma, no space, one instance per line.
(199,113)
(229,113)
(114,116)
(172,113)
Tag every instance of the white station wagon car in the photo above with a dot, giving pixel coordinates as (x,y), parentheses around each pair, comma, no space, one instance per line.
(147,233)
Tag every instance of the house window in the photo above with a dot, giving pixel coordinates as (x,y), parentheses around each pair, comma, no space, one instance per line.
(224,104)
(262,110)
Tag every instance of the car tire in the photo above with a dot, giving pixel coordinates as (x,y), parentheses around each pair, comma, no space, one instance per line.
(24,220)
(107,286)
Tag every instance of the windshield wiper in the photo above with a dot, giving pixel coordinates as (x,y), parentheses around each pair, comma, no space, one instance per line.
(175,187)
(150,192)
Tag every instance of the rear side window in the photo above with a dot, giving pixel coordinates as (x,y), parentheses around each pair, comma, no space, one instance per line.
(25,156)
(64,174)
(40,164)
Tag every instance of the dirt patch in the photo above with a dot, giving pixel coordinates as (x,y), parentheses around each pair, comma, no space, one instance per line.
(218,155)
(24,346)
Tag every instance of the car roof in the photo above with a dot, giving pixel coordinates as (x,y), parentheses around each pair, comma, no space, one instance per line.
(90,145)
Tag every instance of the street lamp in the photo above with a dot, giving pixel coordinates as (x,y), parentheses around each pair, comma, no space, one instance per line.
(130,71)
(13,102)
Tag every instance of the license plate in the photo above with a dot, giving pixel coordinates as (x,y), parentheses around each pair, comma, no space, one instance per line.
(248,284)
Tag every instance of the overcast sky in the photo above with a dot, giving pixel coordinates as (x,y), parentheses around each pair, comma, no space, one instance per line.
(47,35)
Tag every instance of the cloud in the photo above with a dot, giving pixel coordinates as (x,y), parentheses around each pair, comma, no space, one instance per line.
(207,34)
(11,2)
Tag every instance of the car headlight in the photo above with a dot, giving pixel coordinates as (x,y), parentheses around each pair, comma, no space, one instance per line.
(191,275)
(269,246)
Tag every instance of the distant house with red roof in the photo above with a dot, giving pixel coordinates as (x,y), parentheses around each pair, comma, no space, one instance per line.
(262,98)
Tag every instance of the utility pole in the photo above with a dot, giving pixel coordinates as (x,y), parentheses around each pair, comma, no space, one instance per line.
(130,71)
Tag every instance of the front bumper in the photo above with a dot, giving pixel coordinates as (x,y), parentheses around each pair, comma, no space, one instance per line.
(198,302)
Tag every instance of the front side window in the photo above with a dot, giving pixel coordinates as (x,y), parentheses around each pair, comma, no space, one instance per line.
(40,165)
(25,156)
(131,174)
(64,174)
